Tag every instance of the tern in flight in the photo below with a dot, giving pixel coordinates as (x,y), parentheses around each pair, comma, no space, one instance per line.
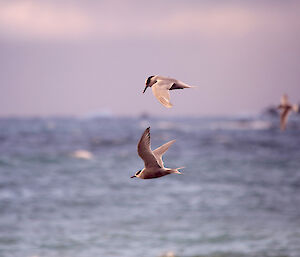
(161,86)
(154,166)
(285,107)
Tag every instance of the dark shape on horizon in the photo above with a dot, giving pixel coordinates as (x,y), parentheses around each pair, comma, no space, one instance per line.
(271,111)
(144,116)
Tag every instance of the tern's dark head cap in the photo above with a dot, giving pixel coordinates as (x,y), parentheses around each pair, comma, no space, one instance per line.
(148,80)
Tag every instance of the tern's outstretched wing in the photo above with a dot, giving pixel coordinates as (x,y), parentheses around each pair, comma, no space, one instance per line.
(180,85)
(161,91)
(145,152)
(159,152)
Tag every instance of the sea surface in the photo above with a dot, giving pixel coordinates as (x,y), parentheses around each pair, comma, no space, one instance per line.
(66,191)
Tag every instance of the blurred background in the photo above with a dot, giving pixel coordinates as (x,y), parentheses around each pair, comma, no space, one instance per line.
(72,111)
(77,57)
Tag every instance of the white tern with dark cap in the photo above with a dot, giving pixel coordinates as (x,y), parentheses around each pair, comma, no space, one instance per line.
(161,86)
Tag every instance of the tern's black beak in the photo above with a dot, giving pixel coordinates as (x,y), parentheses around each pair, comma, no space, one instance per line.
(145,89)
(133,176)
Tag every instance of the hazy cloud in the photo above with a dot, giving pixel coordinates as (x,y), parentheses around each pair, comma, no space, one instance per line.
(110,20)
(43,20)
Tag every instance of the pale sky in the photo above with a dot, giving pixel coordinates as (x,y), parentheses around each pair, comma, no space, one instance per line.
(81,57)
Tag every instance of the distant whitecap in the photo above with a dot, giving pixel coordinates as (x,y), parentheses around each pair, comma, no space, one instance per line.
(169,254)
(82,154)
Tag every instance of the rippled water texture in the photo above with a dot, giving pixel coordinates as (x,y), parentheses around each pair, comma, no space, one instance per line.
(65,188)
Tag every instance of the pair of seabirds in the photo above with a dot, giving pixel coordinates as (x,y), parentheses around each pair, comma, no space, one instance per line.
(154,166)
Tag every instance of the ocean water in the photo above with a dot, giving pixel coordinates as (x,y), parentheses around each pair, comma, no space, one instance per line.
(66,191)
